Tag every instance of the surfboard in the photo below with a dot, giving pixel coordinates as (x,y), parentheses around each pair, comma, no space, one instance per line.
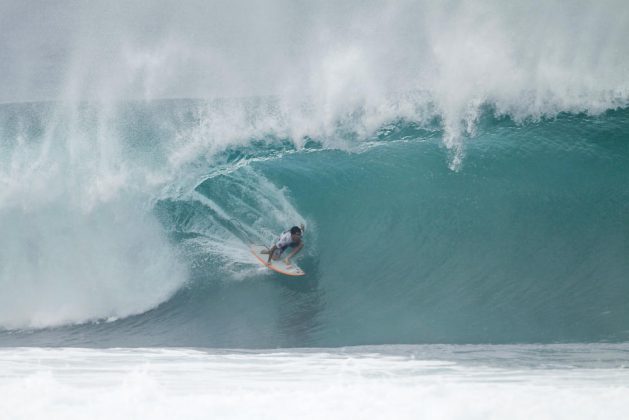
(276,265)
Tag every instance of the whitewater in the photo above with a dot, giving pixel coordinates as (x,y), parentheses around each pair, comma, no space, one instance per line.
(462,170)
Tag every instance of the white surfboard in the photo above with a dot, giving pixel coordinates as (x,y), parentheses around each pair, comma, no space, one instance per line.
(276,265)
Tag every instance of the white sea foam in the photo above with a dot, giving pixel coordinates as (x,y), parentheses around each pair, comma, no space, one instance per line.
(77,242)
(371,383)
(61,266)
(329,63)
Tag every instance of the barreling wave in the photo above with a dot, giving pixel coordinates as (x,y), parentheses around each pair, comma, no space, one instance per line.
(461,169)
(526,242)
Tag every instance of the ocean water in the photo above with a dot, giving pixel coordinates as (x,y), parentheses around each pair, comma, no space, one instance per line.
(462,171)
(406,382)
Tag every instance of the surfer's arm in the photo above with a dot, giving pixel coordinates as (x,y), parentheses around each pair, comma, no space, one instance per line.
(295,251)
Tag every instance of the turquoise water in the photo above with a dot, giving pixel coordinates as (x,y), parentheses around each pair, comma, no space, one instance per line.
(462,170)
(525,242)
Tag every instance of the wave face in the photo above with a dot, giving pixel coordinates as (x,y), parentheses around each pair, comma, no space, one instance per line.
(462,171)
(526,242)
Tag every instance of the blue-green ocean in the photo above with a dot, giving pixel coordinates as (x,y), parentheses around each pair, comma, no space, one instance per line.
(526,241)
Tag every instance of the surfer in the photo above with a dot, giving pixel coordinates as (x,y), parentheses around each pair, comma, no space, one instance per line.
(290,238)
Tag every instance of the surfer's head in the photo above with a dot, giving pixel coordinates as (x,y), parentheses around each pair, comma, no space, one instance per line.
(295,233)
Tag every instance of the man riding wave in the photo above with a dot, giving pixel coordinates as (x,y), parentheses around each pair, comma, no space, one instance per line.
(291,238)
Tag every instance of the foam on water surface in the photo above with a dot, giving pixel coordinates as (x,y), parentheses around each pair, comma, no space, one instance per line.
(447,382)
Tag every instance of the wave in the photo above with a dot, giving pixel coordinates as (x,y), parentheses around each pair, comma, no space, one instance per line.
(471,155)
(526,242)
(359,63)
